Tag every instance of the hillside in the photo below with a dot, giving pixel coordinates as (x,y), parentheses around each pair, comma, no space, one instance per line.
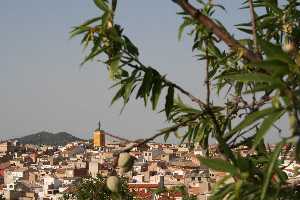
(48,138)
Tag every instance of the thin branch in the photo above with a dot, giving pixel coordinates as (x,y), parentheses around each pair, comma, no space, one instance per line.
(207,82)
(253,19)
(219,31)
(254,105)
(188,94)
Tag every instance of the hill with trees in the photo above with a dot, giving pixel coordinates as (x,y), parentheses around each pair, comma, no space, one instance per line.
(48,138)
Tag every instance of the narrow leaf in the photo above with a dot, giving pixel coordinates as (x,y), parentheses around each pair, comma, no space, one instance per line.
(169,101)
(219,165)
(266,125)
(270,169)
(156,90)
(252,77)
(275,52)
(101,4)
(250,119)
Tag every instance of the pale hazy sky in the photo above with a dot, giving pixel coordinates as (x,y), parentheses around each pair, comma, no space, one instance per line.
(42,86)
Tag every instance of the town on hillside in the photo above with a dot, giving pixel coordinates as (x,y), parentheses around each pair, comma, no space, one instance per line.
(31,172)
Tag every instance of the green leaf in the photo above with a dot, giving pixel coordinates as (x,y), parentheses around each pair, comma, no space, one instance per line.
(223,192)
(186,22)
(118,95)
(219,165)
(185,108)
(274,6)
(92,55)
(270,169)
(90,21)
(78,30)
(101,4)
(262,87)
(166,136)
(249,31)
(265,126)
(128,90)
(169,101)
(250,119)
(132,49)
(253,77)
(275,52)
(146,85)
(276,67)
(156,90)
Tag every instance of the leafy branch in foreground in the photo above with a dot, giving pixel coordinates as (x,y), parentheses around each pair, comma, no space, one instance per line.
(96,189)
(260,75)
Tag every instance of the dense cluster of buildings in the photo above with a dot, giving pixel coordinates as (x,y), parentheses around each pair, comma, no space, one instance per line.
(30,172)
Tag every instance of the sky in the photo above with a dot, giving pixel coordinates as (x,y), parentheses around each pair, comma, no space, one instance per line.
(43,87)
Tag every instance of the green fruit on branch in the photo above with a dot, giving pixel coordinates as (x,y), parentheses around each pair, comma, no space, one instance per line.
(109,24)
(125,161)
(113,183)
(276,102)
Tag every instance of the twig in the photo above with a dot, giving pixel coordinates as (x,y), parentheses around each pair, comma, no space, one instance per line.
(254,34)
(255,104)
(207,82)
(220,32)
(188,94)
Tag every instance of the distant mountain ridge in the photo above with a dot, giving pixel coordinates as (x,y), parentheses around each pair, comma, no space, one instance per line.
(48,138)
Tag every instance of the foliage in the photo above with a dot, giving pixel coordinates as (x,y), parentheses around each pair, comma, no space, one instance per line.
(260,75)
(181,189)
(95,189)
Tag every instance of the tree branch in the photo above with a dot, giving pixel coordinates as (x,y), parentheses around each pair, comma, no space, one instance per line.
(207,81)
(220,32)
(168,82)
(253,20)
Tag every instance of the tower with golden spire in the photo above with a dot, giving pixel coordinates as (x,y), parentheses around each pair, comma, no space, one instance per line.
(99,137)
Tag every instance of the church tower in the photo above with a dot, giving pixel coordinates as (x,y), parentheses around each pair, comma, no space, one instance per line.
(99,137)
